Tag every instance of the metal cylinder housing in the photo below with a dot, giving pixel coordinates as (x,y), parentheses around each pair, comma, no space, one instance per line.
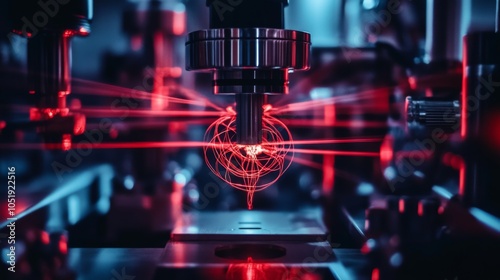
(248,60)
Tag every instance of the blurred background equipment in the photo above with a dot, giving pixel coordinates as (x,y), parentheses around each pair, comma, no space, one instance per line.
(379,162)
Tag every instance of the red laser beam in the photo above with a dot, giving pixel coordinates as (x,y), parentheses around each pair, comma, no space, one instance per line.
(136,94)
(379,95)
(96,88)
(249,168)
(305,162)
(350,123)
(337,153)
(329,141)
(122,145)
(106,112)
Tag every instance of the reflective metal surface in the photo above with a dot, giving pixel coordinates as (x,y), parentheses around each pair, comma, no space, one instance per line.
(250,226)
(433,112)
(183,254)
(251,48)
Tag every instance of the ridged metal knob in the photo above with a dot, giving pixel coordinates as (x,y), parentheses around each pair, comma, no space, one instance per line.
(431,112)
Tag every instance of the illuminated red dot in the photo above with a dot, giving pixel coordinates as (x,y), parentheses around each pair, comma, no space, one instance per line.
(45,237)
(401,206)
(63,245)
(413,82)
(375,274)
(420,209)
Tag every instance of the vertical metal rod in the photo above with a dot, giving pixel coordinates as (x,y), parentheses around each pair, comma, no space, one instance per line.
(49,64)
(249,118)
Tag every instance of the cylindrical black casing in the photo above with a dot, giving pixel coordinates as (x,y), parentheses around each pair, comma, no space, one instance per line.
(49,67)
(443,30)
(247,13)
(29,17)
(480,102)
(249,118)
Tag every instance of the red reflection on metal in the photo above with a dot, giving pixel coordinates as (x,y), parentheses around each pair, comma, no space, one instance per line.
(83,31)
(249,168)
(252,270)
(37,114)
(464,113)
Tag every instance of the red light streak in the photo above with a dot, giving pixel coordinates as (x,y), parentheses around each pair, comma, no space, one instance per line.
(329,141)
(305,162)
(106,112)
(380,95)
(248,168)
(122,145)
(351,123)
(84,87)
(336,153)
